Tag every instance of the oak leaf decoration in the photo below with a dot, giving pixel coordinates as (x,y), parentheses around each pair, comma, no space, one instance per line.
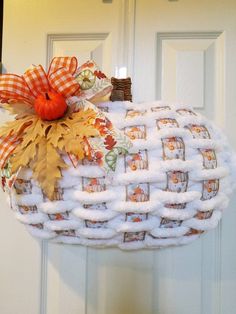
(47,167)
(42,144)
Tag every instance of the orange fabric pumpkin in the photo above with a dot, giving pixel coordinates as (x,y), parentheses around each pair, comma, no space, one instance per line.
(50,106)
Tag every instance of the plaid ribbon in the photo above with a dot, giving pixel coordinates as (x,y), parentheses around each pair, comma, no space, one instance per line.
(36,80)
(7,146)
(14,87)
(63,82)
(33,82)
(63,62)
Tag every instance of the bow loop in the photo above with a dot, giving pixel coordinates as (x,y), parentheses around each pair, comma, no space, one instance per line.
(14,87)
(63,82)
(36,80)
(63,76)
(68,63)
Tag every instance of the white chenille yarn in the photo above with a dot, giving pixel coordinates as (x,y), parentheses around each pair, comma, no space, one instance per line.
(171,187)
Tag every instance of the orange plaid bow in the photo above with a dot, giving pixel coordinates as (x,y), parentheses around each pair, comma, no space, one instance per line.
(33,82)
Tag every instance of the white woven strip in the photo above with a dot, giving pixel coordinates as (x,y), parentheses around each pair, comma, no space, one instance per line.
(171,187)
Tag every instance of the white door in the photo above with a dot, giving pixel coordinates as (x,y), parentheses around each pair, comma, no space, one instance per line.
(172,49)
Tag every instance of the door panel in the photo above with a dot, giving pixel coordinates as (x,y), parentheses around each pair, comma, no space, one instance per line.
(171,49)
(123,279)
(192,278)
(188,66)
(65,283)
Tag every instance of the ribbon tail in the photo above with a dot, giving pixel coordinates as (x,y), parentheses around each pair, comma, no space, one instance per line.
(7,146)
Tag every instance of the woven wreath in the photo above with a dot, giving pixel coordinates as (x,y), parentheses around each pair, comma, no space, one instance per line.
(115,174)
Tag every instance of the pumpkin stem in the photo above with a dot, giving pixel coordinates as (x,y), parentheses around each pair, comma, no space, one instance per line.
(47,97)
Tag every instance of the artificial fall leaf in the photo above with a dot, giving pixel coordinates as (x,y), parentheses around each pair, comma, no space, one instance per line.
(16,126)
(19,109)
(73,133)
(34,131)
(23,157)
(42,144)
(83,116)
(56,132)
(47,167)
(75,146)
(82,131)
(74,125)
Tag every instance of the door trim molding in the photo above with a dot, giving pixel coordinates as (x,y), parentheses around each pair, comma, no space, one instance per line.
(161,36)
(51,38)
(127,36)
(43,279)
(189,35)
